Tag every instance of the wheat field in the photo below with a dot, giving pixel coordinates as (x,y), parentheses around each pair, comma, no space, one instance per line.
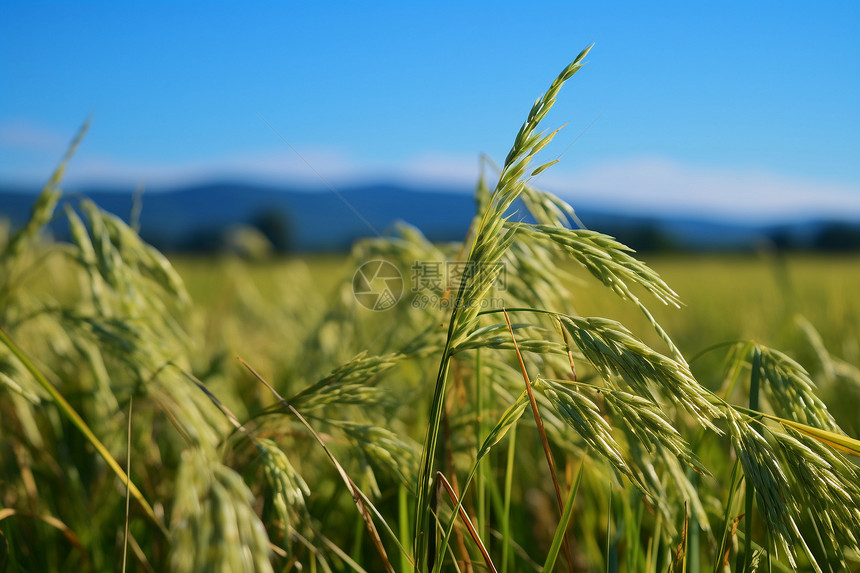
(562,406)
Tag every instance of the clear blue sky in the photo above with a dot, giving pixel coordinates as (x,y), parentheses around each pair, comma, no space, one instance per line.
(752,108)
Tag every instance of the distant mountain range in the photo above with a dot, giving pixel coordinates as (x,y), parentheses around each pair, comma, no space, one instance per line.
(197,218)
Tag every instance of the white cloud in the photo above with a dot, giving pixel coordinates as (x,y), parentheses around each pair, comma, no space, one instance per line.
(643,185)
(24,135)
(309,167)
(266,166)
(653,186)
(441,169)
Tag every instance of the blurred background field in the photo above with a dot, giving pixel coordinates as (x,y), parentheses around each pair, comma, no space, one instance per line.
(726,296)
(767,296)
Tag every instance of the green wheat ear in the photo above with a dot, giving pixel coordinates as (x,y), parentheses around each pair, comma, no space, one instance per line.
(489,246)
(212,525)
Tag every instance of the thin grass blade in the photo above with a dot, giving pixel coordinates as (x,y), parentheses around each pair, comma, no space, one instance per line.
(353,489)
(558,537)
(466,521)
(81,425)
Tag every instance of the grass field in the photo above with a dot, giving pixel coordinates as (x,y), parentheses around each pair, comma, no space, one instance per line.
(726,297)
(557,407)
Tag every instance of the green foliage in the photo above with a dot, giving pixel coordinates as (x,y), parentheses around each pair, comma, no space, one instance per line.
(224,474)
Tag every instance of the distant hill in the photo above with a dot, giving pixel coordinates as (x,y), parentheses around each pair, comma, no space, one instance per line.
(194,218)
(188,218)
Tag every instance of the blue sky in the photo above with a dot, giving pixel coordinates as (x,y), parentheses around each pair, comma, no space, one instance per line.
(736,109)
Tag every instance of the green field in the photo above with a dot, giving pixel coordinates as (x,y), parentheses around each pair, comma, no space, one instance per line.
(561,406)
(273,314)
(770,298)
